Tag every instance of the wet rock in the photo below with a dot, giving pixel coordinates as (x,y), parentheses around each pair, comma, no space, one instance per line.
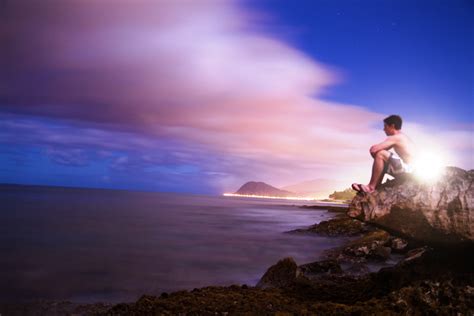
(355,256)
(370,246)
(398,244)
(415,253)
(356,268)
(435,298)
(343,226)
(437,213)
(382,253)
(335,208)
(320,269)
(280,275)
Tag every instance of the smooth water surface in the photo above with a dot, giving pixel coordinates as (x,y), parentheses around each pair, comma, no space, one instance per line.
(89,245)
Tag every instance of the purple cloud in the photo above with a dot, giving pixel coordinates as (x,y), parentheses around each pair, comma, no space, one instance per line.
(194,83)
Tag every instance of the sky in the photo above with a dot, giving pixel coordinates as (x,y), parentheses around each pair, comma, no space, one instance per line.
(203,96)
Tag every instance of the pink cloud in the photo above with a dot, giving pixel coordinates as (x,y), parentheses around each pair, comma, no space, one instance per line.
(200,74)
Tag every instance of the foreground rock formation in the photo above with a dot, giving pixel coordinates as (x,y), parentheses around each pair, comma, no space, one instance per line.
(437,213)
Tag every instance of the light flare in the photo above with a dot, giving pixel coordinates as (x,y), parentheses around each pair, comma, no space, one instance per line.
(429,165)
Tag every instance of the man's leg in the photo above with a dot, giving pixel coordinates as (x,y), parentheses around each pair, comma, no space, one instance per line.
(381,157)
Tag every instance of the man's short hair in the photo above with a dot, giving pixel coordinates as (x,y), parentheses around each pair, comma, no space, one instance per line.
(395,120)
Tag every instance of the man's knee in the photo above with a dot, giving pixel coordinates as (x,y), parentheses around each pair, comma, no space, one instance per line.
(383,154)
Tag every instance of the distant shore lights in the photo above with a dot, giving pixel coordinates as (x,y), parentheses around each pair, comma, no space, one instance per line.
(273,197)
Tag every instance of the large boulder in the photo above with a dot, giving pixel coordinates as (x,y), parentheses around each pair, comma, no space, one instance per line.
(438,213)
(280,275)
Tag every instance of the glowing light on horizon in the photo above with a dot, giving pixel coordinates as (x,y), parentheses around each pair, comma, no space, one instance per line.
(275,197)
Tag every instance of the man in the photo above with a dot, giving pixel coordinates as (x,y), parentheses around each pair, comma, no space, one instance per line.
(386,161)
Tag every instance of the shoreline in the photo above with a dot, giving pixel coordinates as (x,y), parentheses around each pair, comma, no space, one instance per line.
(341,284)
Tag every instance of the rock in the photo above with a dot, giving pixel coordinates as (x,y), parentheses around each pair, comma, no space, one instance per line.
(415,254)
(382,253)
(435,298)
(282,274)
(371,246)
(357,269)
(437,213)
(357,254)
(320,268)
(398,244)
(344,226)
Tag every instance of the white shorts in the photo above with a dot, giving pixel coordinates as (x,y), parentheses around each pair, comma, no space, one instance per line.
(395,165)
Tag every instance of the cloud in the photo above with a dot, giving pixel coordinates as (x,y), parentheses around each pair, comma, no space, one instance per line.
(71,156)
(195,83)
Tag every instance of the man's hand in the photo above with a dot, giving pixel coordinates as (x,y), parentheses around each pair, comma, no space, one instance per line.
(372,151)
(385,145)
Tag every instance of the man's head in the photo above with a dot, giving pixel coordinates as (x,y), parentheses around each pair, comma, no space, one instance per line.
(392,124)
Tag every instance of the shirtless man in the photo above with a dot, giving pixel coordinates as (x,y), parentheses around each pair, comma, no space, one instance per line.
(386,161)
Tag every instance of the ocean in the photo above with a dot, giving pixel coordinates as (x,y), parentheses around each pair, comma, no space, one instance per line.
(91,245)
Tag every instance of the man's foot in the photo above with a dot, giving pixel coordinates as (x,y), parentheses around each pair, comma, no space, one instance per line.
(366,189)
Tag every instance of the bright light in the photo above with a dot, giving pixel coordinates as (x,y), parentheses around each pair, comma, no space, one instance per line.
(429,166)
(272,197)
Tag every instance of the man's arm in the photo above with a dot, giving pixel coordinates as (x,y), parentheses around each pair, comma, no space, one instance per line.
(385,145)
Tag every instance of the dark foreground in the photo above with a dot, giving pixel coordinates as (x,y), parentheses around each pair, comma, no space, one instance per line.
(426,281)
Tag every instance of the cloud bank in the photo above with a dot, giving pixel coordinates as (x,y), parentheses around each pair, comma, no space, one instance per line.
(175,87)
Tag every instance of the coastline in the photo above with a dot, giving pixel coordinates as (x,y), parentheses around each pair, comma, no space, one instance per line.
(341,284)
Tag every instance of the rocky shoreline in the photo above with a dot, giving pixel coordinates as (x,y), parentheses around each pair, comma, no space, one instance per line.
(426,281)
(426,274)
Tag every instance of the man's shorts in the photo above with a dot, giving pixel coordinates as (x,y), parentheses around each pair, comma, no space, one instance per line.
(395,165)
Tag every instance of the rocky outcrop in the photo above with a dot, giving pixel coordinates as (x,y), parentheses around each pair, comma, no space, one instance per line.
(437,213)
(343,226)
(281,274)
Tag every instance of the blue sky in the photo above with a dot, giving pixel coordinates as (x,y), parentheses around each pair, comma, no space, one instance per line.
(201,97)
(415,56)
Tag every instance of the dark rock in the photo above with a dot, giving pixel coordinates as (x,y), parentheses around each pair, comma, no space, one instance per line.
(382,253)
(438,213)
(320,268)
(279,275)
(415,253)
(398,244)
(356,268)
(435,298)
(333,207)
(343,226)
(357,254)
(371,246)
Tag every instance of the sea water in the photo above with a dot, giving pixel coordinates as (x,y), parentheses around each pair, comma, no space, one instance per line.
(91,245)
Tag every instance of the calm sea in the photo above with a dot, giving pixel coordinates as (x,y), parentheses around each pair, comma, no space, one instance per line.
(89,245)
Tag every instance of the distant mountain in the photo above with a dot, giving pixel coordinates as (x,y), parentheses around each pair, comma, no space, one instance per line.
(261,188)
(320,188)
